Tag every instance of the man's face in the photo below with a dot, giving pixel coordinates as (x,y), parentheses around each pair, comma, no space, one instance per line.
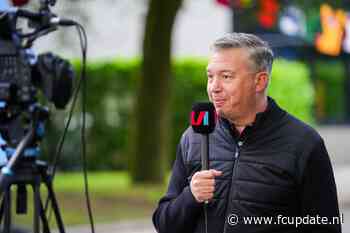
(232,83)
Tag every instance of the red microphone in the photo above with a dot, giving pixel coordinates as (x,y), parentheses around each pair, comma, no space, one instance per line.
(19,2)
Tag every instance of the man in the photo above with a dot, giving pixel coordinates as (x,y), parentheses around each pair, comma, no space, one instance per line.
(264,162)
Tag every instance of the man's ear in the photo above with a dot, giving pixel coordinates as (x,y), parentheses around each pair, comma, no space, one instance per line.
(261,81)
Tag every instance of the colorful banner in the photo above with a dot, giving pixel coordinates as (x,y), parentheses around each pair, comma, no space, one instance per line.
(224,2)
(329,41)
(268,12)
(328,30)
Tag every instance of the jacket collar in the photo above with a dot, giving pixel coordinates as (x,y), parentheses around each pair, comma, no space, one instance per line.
(262,120)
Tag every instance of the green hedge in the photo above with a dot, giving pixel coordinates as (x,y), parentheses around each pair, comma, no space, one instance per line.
(292,88)
(111,90)
(330,101)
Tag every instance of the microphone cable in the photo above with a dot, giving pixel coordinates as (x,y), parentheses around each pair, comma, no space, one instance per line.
(206,216)
(81,84)
(83,37)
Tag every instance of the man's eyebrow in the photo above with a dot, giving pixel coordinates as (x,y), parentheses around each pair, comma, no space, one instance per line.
(228,71)
(221,71)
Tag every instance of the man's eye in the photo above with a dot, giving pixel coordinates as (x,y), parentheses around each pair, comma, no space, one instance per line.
(227,76)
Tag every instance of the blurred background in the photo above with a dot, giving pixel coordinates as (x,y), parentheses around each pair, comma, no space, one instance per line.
(146,66)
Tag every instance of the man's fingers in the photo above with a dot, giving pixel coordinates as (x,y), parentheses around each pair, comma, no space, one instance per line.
(209,174)
(203,182)
(216,172)
(204,189)
(209,189)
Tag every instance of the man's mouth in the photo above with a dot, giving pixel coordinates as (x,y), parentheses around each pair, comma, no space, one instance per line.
(219,102)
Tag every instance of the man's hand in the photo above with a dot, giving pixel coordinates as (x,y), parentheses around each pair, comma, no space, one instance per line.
(203,184)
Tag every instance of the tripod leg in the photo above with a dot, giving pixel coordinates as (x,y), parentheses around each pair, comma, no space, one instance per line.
(44,218)
(2,209)
(7,206)
(36,214)
(55,208)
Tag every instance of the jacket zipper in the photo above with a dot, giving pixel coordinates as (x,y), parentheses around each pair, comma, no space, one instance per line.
(236,155)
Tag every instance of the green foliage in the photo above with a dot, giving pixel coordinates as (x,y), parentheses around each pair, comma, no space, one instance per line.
(291,87)
(110,95)
(330,76)
(111,92)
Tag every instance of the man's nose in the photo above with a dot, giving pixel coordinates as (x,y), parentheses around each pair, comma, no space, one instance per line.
(215,85)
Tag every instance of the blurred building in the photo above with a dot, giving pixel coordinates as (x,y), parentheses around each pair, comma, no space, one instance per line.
(314,32)
(115,28)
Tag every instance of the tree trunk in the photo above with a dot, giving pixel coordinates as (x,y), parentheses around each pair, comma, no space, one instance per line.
(151,136)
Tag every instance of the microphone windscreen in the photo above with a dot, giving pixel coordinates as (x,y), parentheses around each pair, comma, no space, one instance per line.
(203,117)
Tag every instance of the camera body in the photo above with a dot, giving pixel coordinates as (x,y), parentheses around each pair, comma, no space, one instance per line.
(16,86)
(23,73)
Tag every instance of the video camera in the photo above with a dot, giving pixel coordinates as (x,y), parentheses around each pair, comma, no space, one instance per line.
(22,72)
(22,118)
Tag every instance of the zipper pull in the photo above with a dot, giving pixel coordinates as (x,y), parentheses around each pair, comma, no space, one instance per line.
(239,144)
(236,154)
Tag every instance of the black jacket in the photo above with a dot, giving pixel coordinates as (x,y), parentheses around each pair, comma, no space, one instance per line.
(278,166)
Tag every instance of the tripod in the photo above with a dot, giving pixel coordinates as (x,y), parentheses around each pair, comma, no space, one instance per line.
(23,171)
(32,175)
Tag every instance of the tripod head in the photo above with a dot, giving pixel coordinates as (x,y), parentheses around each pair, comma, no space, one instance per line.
(27,149)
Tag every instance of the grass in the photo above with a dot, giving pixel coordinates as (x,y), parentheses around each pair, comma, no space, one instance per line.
(113,184)
(113,198)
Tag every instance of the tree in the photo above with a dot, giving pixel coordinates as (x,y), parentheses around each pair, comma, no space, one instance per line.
(150,135)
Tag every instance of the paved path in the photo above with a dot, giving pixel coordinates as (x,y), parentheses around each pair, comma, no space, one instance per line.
(337,140)
(137,226)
